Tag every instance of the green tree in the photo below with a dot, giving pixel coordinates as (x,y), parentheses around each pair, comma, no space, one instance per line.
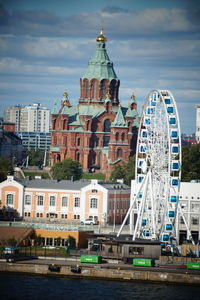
(190,163)
(5,168)
(124,171)
(67,169)
(36,157)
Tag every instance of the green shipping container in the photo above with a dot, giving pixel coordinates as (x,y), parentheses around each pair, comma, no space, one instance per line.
(193,265)
(143,262)
(95,259)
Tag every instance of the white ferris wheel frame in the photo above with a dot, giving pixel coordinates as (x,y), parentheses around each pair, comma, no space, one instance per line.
(157,171)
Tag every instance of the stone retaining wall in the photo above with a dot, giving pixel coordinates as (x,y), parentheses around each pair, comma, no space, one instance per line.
(98,271)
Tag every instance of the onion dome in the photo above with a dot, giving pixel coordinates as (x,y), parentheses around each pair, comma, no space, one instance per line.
(101,38)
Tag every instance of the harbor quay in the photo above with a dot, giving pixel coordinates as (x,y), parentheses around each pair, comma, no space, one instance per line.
(110,269)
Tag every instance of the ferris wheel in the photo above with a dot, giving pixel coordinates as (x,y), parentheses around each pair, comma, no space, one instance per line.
(158,170)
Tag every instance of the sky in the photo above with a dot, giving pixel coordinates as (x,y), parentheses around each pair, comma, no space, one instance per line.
(45,46)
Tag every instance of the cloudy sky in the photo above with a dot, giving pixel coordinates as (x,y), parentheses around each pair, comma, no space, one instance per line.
(45,46)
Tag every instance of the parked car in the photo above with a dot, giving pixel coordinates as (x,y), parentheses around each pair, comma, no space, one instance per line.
(89,221)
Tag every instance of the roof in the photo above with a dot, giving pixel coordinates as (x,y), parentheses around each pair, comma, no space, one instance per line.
(123,239)
(17,233)
(100,66)
(68,184)
(117,186)
(119,119)
(53,184)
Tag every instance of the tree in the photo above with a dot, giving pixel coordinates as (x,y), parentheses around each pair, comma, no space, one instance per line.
(36,157)
(190,163)
(5,168)
(67,169)
(124,171)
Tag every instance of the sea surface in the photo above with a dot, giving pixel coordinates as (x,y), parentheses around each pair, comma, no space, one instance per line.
(20,287)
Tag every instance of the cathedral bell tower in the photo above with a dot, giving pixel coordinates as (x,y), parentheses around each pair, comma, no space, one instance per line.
(100,78)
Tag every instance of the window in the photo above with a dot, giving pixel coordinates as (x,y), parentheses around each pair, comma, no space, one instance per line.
(78,142)
(123,136)
(119,152)
(27,199)
(64,216)
(117,136)
(107,125)
(76,217)
(93,203)
(181,220)
(77,202)
(52,200)
(64,201)
(9,199)
(94,191)
(37,215)
(103,89)
(195,221)
(86,87)
(136,250)
(195,207)
(40,200)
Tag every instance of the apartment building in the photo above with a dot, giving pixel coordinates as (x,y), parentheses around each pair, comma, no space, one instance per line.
(31,118)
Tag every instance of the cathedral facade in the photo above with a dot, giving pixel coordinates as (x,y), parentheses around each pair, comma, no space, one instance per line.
(98,132)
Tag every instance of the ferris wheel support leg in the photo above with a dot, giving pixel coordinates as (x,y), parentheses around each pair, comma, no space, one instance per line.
(141,208)
(126,217)
(130,209)
(152,209)
(177,230)
(186,225)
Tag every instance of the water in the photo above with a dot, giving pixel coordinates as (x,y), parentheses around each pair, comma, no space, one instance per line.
(20,287)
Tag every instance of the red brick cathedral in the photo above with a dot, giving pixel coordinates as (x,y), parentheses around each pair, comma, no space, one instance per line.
(98,132)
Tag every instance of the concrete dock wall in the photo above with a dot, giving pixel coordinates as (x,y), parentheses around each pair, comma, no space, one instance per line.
(99,271)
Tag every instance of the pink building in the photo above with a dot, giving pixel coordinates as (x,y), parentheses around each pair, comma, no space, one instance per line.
(39,199)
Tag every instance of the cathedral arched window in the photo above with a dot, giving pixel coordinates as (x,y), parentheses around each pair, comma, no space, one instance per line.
(123,136)
(119,152)
(117,136)
(103,89)
(94,90)
(107,125)
(112,89)
(86,89)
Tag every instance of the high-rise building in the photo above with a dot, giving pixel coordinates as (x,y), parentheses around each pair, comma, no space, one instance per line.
(98,132)
(32,125)
(35,118)
(31,118)
(12,114)
(198,123)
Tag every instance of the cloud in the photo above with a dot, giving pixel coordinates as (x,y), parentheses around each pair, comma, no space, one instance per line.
(14,66)
(149,22)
